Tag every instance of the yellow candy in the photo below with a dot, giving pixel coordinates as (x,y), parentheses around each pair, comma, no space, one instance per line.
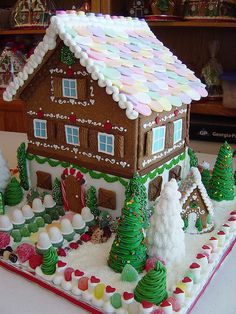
(165,103)
(182,286)
(34,237)
(99,291)
(155,106)
(141,88)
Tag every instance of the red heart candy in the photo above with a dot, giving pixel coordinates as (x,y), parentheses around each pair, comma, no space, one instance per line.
(110,289)
(74,245)
(186,279)
(199,256)
(194,265)
(128,296)
(178,291)
(94,279)
(79,273)
(146,304)
(61,264)
(165,304)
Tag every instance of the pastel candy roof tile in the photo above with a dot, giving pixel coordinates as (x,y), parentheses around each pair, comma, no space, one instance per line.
(125,57)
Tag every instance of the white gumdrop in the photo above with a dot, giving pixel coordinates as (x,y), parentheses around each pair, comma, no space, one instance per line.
(48,201)
(37,205)
(55,235)
(44,241)
(27,212)
(17,217)
(78,222)
(86,214)
(66,226)
(5,224)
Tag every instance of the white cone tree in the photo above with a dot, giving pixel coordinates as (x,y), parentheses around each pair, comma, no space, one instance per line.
(165,237)
(5,174)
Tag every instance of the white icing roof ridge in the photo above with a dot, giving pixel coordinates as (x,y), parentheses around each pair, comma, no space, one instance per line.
(192,181)
(125,57)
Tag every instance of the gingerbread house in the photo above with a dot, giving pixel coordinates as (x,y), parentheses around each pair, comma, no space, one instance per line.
(105,99)
(197,209)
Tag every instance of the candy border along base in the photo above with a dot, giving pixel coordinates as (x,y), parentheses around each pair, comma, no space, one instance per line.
(70,298)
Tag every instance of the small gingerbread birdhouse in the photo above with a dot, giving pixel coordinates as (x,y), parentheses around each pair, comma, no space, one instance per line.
(197,208)
(33,13)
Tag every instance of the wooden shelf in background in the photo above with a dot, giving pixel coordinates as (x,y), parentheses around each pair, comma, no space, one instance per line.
(214,108)
(22,31)
(190,24)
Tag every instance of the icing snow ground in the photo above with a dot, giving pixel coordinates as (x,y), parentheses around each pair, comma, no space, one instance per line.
(92,258)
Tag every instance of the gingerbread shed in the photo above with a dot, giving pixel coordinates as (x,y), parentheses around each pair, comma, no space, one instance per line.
(104,96)
(197,208)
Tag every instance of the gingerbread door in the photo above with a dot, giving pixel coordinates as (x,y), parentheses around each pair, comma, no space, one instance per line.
(73,190)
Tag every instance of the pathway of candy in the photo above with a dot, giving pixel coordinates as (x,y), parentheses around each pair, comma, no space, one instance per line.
(205,253)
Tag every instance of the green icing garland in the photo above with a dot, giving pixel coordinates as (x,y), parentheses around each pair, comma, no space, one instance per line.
(50,260)
(108,178)
(152,287)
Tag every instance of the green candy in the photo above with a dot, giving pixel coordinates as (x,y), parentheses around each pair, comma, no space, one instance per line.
(40,222)
(33,227)
(16,235)
(25,232)
(115,300)
(129,273)
(47,219)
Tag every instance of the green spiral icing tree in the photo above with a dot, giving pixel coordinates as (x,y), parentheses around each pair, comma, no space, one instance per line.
(50,259)
(13,194)
(56,192)
(91,201)
(22,166)
(152,287)
(206,176)
(128,246)
(221,185)
(137,188)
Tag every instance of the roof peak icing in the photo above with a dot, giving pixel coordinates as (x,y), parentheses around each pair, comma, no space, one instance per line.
(124,56)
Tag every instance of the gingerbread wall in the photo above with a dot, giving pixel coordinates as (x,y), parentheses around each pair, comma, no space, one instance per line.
(148,161)
(94,112)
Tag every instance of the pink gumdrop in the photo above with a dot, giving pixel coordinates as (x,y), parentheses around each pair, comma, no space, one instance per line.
(83,283)
(150,263)
(25,251)
(175,304)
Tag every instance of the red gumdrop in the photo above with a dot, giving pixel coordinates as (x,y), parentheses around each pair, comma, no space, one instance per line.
(74,245)
(35,261)
(85,237)
(68,273)
(4,240)
(61,252)
(25,251)
(83,283)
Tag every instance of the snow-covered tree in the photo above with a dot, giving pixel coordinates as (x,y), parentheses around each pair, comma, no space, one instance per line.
(5,174)
(165,236)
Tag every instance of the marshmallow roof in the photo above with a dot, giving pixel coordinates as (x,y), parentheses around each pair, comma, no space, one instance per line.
(125,57)
(193,181)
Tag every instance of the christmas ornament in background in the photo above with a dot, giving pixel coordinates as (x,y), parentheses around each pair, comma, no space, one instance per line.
(137,8)
(33,13)
(12,61)
(221,184)
(128,246)
(211,73)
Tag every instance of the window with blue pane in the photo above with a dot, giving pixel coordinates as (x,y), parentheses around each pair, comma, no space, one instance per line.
(72,135)
(158,140)
(106,143)
(69,88)
(40,128)
(178,126)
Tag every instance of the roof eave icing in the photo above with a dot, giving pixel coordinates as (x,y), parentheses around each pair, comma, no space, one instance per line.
(139,73)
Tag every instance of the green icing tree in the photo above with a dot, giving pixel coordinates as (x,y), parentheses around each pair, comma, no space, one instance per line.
(152,287)
(13,194)
(206,176)
(193,158)
(137,188)
(67,57)
(2,211)
(221,185)
(56,192)
(50,259)
(91,201)
(22,166)
(128,246)
(198,224)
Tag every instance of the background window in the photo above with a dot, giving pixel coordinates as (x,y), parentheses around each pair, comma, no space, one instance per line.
(72,135)
(69,87)
(106,143)
(177,131)
(158,142)
(40,128)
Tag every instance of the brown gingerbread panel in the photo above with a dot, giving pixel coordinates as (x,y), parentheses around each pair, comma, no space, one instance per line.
(44,180)
(154,189)
(175,173)
(99,113)
(107,199)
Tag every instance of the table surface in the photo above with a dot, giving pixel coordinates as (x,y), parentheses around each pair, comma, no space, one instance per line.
(20,296)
